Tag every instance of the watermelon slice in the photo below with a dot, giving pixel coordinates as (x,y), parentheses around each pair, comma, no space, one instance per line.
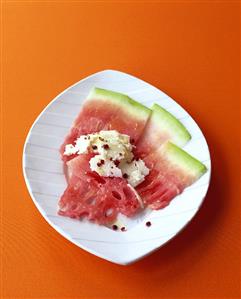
(162,126)
(96,198)
(108,110)
(157,135)
(172,170)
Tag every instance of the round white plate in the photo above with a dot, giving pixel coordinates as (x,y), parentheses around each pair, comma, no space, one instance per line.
(43,172)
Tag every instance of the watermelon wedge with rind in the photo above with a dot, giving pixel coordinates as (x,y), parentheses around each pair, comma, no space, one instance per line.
(162,126)
(184,161)
(108,110)
(172,170)
(130,106)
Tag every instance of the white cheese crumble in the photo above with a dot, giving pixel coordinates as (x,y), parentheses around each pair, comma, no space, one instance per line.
(108,168)
(70,150)
(136,171)
(114,157)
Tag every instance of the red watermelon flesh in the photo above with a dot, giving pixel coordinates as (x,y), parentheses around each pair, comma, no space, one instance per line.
(97,198)
(172,170)
(107,110)
(100,199)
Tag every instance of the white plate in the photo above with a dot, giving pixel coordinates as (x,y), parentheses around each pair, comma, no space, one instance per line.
(45,180)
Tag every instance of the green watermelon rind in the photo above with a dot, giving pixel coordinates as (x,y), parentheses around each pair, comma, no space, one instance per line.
(131,106)
(181,159)
(169,123)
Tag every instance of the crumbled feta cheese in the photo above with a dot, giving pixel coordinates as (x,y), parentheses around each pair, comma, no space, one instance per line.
(70,150)
(107,168)
(82,144)
(118,145)
(114,157)
(135,171)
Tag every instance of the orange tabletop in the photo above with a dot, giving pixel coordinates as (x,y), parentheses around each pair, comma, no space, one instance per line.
(190,50)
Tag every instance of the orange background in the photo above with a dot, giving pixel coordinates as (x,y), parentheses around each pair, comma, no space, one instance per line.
(188,49)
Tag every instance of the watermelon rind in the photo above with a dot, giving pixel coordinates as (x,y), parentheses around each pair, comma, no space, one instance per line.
(182,160)
(131,106)
(163,119)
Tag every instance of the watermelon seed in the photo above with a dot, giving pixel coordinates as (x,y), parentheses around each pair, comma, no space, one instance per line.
(125,176)
(94,147)
(116,195)
(106,146)
(123,229)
